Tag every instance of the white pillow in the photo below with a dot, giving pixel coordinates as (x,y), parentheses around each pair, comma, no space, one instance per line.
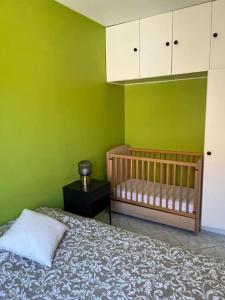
(34,236)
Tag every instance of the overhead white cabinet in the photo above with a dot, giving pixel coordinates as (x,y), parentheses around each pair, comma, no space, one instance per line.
(217,59)
(191,35)
(156,46)
(122,51)
(213,210)
(173,43)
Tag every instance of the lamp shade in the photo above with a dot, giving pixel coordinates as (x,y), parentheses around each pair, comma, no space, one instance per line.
(84,168)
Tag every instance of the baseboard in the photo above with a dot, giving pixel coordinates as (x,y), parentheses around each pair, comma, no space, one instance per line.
(214,230)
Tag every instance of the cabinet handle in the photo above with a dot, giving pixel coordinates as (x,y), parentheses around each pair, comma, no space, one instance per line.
(176,42)
(209,153)
(135,49)
(215,34)
(167,44)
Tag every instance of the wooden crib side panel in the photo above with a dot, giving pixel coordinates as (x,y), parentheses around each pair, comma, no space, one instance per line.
(153,173)
(123,166)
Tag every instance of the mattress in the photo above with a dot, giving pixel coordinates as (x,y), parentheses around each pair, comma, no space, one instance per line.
(149,186)
(97,261)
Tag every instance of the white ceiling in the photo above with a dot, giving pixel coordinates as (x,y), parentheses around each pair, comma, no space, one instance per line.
(111,12)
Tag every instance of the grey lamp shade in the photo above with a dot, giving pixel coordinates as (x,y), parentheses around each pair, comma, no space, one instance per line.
(84,168)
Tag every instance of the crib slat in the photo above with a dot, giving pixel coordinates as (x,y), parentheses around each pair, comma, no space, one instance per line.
(174,184)
(110,174)
(167,183)
(120,176)
(148,178)
(116,176)
(195,200)
(113,176)
(126,178)
(188,189)
(131,179)
(154,180)
(137,185)
(181,182)
(161,173)
(142,176)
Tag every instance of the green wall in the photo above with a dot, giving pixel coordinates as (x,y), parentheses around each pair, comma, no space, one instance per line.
(55,107)
(167,115)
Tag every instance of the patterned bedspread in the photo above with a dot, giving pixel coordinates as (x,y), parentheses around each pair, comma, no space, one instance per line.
(97,261)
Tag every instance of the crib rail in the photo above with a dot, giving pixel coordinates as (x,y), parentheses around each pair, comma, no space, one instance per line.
(163,182)
(166,154)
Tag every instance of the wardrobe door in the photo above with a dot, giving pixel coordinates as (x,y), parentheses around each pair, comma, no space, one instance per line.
(217,59)
(122,51)
(191,38)
(156,45)
(213,210)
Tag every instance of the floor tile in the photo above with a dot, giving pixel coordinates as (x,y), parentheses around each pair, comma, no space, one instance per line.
(132,223)
(203,240)
(103,217)
(207,243)
(166,237)
(218,251)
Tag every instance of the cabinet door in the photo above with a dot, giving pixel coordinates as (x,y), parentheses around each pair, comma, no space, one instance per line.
(122,51)
(214,165)
(156,45)
(191,35)
(217,60)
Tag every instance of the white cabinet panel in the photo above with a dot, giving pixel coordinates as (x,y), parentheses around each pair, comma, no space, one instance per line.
(217,60)
(122,51)
(191,34)
(213,210)
(156,45)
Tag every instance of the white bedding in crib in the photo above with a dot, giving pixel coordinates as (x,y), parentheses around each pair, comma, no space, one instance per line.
(150,186)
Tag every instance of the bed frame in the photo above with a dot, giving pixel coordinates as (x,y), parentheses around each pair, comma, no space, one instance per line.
(176,175)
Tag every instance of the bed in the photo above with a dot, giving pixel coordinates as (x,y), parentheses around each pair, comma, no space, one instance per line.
(157,185)
(98,261)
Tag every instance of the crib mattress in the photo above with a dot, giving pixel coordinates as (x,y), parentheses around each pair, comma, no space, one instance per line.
(149,186)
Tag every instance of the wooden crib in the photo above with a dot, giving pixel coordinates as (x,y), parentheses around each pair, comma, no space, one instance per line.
(161,186)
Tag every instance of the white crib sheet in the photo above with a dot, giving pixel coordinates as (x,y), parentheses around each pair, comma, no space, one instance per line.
(150,186)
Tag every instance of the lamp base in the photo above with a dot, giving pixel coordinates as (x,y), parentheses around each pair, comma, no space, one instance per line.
(85,180)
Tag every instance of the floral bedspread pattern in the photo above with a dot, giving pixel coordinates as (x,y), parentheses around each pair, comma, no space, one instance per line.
(97,261)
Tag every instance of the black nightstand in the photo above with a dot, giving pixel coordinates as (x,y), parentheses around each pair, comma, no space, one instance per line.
(87,202)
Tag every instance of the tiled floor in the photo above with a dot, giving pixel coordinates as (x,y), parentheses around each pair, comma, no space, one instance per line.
(207,243)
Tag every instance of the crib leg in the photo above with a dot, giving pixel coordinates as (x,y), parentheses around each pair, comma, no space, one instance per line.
(197,226)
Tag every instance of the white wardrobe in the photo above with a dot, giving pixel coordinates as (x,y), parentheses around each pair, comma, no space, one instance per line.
(213,201)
